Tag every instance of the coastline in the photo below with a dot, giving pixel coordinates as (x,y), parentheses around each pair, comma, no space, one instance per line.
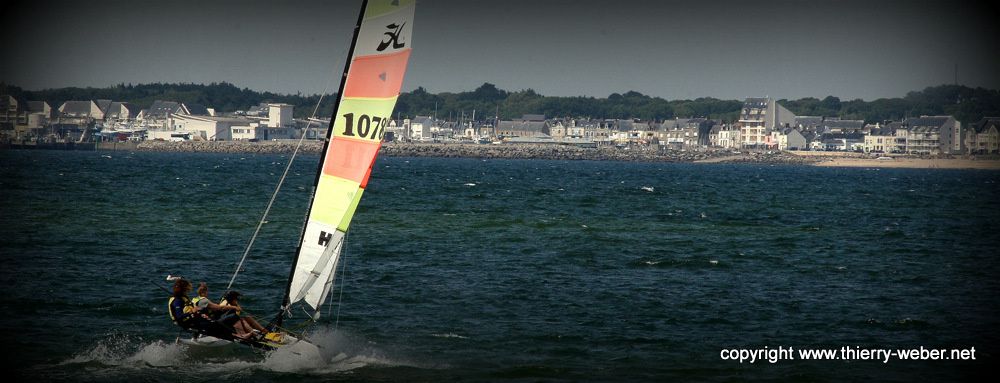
(567,152)
(488,151)
(912,163)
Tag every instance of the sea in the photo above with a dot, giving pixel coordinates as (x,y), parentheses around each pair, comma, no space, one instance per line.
(506,270)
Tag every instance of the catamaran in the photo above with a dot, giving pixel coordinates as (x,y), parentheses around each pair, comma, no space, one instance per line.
(369,88)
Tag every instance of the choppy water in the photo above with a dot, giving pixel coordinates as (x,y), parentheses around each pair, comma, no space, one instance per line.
(461,269)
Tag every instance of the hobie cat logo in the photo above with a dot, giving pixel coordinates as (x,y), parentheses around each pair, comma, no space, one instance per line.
(393,35)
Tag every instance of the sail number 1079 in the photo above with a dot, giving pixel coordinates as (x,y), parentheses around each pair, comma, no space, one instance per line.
(365,127)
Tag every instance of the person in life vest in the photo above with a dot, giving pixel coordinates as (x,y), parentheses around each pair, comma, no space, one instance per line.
(215,311)
(191,317)
(245,321)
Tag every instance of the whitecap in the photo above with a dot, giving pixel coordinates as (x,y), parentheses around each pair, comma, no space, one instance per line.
(449,335)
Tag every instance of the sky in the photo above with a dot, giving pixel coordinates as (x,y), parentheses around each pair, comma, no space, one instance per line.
(672,49)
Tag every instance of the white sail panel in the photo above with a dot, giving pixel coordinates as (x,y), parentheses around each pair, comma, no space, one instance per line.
(386,33)
(374,76)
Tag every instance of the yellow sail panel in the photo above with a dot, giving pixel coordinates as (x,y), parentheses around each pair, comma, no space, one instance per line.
(363,119)
(333,199)
(371,86)
(378,8)
(346,221)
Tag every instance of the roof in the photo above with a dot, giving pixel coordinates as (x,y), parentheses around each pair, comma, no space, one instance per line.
(533,117)
(6,101)
(927,121)
(884,130)
(808,120)
(586,123)
(162,108)
(986,123)
(196,109)
(754,102)
(527,126)
(844,124)
(423,120)
(76,108)
(38,106)
(117,108)
(103,105)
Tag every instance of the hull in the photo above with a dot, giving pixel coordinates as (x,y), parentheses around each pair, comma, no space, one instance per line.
(208,341)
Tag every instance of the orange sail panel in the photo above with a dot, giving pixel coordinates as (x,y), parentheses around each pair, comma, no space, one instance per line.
(377,75)
(380,53)
(349,159)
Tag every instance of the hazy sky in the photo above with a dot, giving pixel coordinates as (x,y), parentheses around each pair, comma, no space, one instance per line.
(672,49)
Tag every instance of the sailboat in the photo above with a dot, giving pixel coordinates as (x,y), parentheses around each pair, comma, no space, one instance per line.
(369,88)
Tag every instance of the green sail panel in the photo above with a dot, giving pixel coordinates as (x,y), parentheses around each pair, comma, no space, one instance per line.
(371,86)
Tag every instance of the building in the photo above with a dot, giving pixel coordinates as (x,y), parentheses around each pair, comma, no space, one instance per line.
(520,128)
(982,137)
(420,128)
(789,139)
(210,128)
(686,132)
(807,122)
(881,139)
(836,125)
(121,113)
(279,115)
(728,137)
(758,118)
(88,110)
(931,135)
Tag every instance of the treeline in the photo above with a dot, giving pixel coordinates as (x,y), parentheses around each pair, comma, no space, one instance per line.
(966,104)
(224,97)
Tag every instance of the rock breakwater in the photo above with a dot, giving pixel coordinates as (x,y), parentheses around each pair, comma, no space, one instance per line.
(502,151)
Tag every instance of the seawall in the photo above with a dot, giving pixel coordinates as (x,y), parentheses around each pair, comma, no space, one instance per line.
(502,151)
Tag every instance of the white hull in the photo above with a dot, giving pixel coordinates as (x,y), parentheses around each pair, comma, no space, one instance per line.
(204,341)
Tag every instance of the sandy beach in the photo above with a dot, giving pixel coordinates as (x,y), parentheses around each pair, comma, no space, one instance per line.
(914,163)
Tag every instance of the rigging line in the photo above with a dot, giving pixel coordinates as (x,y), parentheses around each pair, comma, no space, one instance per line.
(343,255)
(343,283)
(277,188)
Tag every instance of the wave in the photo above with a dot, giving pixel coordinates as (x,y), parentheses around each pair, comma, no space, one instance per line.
(121,356)
(449,335)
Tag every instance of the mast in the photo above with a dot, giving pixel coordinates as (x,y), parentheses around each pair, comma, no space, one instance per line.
(319,168)
(369,89)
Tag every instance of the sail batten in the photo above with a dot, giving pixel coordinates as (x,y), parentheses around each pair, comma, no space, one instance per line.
(371,86)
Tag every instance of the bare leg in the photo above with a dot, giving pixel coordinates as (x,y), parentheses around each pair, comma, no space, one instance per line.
(252,323)
(242,331)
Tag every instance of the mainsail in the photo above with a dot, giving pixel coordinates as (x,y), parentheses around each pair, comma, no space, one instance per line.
(368,93)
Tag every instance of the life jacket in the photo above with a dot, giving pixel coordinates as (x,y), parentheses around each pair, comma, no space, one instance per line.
(187,311)
(226,303)
(196,301)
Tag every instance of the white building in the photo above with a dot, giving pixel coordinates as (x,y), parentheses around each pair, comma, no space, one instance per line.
(758,118)
(214,128)
(420,128)
(728,137)
(279,115)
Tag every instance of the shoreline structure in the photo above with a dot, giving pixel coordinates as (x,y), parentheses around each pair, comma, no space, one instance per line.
(569,152)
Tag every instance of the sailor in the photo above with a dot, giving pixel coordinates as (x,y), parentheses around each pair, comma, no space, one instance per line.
(206,305)
(245,321)
(190,317)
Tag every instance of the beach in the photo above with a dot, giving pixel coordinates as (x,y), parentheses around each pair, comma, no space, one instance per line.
(912,163)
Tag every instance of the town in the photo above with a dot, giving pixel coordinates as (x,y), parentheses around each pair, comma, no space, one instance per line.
(762,124)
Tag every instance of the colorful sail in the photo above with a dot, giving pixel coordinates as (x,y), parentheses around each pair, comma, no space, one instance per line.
(368,95)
